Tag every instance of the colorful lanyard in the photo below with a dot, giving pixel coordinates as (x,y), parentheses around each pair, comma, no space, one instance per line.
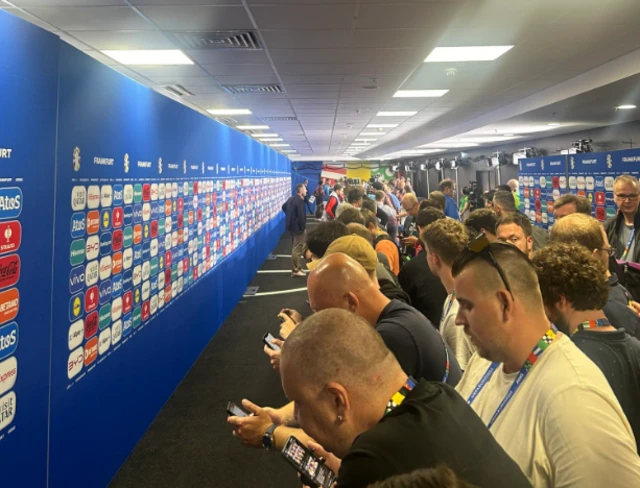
(399,396)
(542,345)
(447,364)
(592,324)
(626,248)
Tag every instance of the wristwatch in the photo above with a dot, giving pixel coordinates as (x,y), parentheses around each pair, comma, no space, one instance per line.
(268,440)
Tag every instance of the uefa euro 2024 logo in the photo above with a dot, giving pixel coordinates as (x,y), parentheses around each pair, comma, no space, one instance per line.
(76,159)
(542,164)
(159,165)
(573,163)
(609,161)
(202,167)
(126,162)
(184,166)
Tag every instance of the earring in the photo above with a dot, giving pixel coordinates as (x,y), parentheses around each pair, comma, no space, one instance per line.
(340,418)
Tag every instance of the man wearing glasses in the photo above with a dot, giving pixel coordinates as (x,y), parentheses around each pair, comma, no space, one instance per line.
(546,403)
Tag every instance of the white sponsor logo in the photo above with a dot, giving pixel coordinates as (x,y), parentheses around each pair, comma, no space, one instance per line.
(174,238)
(137,275)
(146,290)
(185,188)
(116,332)
(146,212)
(180,285)
(78,198)
(93,197)
(608,183)
(526,203)
(161,191)
(161,298)
(76,331)
(154,248)
(104,341)
(8,374)
(199,228)
(75,362)
(105,267)
(167,225)
(174,190)
(154,191)
(161,281)
(154,304)
(563,182)
(167,191)
(572,182)
(106,196)
(556,193)
(92,272)
(127,258)
(92,247)
(7,409)
(180,268)
(116,309)
(167,241)
(195,202)
(581,183)
(544,217)
(174,289)
(590,182)
(543,182)
(128,194)
(146,270)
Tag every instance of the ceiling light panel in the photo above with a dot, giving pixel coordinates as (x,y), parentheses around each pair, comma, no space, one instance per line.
(280,145)
(372,133)
(396,113)
(626,107)
(466,54)
(271,139)
(149,57)
(229,111)
(258,136)
(252,127)
(420,93)
(382,126)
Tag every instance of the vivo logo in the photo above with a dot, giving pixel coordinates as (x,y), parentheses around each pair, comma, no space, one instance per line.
(137,254)
(76,279)
(137,213)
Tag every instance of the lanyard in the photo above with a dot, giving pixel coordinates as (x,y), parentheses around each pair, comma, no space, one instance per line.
(592,324)
(447,307)
(541,346)
(399,396)
(447,364)
(626,248)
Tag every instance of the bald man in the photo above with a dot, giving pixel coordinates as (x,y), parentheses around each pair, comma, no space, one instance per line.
(589,233)
(352,396)
(546,403)
(411,208)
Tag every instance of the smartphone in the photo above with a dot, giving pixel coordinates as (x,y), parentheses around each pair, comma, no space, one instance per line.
(313,472)
(235,410)
(268,340)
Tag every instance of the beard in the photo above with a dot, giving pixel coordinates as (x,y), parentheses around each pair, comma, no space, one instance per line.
(560,321)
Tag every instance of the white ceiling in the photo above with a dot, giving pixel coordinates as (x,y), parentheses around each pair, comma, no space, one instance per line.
(325,52)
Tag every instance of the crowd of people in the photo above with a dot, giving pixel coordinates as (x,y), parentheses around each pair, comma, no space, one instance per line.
(441,352)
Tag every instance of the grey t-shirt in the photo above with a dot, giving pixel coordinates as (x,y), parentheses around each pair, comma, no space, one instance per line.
(623,238)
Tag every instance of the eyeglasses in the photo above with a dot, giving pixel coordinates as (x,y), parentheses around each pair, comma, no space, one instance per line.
(622,197)
(609,250)
(480,246)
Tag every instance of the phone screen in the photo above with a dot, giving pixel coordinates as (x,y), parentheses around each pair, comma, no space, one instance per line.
(307,464)
(233,409)
(269,341)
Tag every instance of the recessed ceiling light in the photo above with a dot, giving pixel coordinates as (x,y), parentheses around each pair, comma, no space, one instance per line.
(372,133)
(484,140)
(252,127)
(229,111)
(382,126)
(419,93)
(148,57)
(625,107)
(449,145)
(360,143)
(271,139)
(280,145)
(466,53)
(554,124)
(364,140)
(397,113)
(288,150)
(258,136)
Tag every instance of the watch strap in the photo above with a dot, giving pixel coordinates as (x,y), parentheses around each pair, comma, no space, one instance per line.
(268,440)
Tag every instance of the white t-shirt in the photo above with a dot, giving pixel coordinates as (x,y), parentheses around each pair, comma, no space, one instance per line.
(454,336)
(564,426)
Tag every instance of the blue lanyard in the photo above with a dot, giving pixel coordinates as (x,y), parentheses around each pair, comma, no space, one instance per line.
(524,371)
(628,246)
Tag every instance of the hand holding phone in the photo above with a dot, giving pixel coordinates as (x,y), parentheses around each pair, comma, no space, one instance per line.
(313,471)
(269,341)
(235,410)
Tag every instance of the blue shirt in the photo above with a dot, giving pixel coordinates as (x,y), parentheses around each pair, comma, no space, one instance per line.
(394,199)
(451,209)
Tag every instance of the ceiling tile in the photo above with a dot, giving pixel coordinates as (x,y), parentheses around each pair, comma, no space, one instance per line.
(385,16)
(204,89)
(228,56)
(303,16)
(372,69)
(395,38)
(305,39)
(247,80)
(186,81)
(399,56)
(124,39)
(30,18)
(197,18)
(301,79)
(238,69)
(92,18)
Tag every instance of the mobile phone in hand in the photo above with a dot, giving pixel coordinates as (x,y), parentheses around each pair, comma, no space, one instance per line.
(313,472)
(268,339)
(235,410)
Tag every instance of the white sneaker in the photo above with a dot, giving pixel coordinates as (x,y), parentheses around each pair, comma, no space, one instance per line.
(298,273)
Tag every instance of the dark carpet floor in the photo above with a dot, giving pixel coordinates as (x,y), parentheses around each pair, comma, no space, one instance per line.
(189,444)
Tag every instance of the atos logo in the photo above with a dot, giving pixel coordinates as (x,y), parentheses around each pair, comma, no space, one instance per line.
(117,217)
(127,280)
(93,222)
(93,197)
(76,279)
(127,302)
(137,234)
(116,263)
(105,267)
(76,331)
(154,211)
(137,193)
(78,198)
(105,243)
(127,215)
(127,325)
(118,195)
(9,270)
(127,237)
(128,194)
(91,325)
(137,213)
(137,254)
(104,341)
(105,291)
(104,316)
(127,258)
(75,363)
(90,351)
(76,306)
(146,192)
(599,182)
(78,225)
(116,309)
(8,339)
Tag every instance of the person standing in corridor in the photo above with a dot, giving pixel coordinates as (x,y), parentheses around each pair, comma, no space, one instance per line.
(296,224)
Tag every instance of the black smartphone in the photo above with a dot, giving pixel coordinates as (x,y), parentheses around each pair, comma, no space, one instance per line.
(313,471)
(235,410)
(268,339)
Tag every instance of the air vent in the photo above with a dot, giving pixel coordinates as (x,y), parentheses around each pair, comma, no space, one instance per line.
(247,89)
(278,119)
(179,90)
(216,40)
(230,121)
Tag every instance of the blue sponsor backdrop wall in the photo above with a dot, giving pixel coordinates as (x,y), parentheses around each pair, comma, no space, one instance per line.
(309,170)
(161,217)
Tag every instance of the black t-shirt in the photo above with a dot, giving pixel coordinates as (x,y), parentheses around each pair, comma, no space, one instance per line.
(622,317)
(423,287)
(433,425)
(416,344)
(618,292)
(618,356)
